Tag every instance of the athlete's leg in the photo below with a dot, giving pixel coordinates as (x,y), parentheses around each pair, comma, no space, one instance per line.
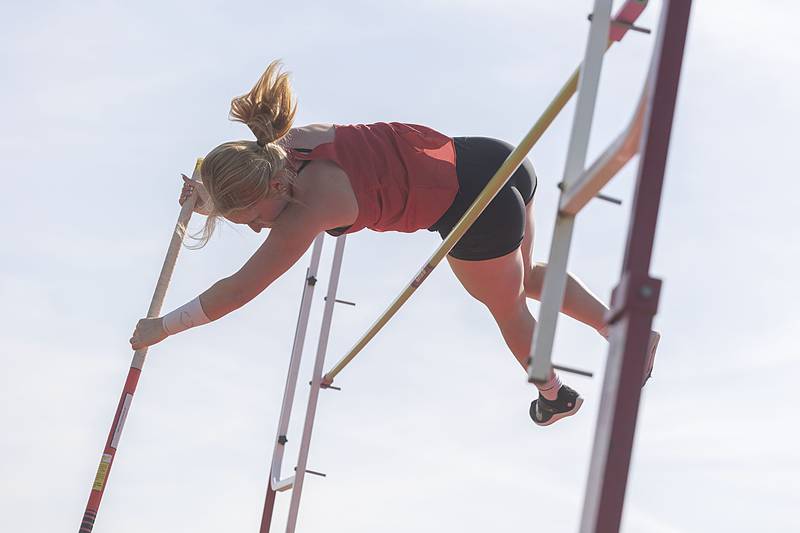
(498,284)
(579,302)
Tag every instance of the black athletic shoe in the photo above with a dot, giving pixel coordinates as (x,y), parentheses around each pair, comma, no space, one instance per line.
(544,412)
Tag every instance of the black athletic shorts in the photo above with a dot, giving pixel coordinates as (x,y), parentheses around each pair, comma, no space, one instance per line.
(500,228)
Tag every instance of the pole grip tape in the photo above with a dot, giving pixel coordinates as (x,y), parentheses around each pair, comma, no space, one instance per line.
(88,522)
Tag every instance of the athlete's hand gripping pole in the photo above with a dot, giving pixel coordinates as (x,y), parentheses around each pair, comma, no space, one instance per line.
(99,485)
(627,14)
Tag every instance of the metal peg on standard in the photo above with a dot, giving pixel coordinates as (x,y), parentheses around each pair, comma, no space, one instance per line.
(338,301)
(628,25)
(326,385)
(599,196)
(610,199)
(320,474)
(575,371)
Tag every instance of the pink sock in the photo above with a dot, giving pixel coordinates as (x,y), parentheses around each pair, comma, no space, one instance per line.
(550,389)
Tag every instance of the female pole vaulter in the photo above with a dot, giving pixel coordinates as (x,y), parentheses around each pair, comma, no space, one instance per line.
(341,179)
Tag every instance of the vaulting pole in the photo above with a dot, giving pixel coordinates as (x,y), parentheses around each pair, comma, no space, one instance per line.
(110,451)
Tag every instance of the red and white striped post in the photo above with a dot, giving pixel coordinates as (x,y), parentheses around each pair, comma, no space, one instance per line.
(635,299)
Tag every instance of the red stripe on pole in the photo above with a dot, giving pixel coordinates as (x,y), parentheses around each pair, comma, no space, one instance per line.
(107,459)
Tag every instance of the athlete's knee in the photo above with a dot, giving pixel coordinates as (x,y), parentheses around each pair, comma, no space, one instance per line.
(506,308)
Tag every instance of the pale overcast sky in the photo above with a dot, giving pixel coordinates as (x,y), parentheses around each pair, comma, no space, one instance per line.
(104,104)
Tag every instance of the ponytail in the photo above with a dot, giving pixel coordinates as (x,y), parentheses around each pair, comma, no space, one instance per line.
(237,174)
(269,108)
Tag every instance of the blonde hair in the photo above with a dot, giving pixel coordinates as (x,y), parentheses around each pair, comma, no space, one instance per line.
(237,174)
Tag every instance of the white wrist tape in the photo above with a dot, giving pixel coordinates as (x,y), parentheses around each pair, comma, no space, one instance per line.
(185,317)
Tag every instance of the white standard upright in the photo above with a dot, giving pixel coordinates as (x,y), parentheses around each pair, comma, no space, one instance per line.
(294,482)
(556,276)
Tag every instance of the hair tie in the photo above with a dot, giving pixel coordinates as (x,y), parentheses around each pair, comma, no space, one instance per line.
(261,143)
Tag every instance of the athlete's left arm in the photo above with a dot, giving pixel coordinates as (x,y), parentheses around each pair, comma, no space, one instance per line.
(307,136)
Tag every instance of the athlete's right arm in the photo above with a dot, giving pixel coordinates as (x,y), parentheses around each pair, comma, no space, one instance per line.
(286,243)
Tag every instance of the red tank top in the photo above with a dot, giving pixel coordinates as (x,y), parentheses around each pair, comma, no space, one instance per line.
(403,175)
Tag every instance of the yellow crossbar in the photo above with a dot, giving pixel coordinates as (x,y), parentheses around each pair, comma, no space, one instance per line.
(497,182)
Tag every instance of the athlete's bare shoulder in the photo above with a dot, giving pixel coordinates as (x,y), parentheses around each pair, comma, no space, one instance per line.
(309,136)
(324,187)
